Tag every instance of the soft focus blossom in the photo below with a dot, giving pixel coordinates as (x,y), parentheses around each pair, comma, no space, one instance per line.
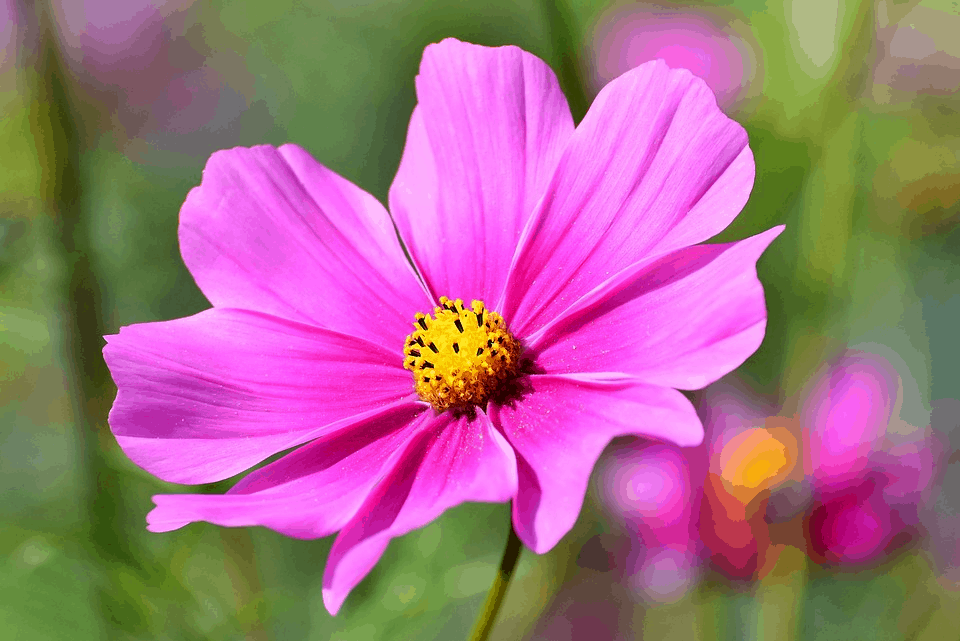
(704,42)
(841,478)
(860,490)
(155,74)
(9,23)
(653,490)
(748,452)
(868,483)
(581,243)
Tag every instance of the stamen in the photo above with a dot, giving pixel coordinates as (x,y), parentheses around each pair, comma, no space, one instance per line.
(462,371)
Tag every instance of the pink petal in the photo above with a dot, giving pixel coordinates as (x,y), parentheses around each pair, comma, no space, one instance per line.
(845,415)
(484,140)
(558,430)
(852,525)
(683,321)
(655,166)
(310,493)
(272,230)
(450,461)
(205,397)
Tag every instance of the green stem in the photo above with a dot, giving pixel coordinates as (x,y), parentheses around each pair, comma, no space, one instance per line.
(58,128)
(484,624)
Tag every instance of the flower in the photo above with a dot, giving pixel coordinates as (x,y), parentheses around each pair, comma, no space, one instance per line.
(831,478)
(160,81)
(578,247)
(708,42)
(654,489)
(869,482)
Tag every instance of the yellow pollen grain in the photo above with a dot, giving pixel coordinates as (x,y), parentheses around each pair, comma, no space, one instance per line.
(460,356)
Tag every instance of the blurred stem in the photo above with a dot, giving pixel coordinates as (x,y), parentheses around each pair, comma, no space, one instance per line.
(57,130)
(488,615)
(567,46)
(241,566)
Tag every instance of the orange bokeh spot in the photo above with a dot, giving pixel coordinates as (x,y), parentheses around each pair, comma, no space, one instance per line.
(755,460)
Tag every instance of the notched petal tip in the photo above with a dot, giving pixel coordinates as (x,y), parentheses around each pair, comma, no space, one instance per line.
(161,518)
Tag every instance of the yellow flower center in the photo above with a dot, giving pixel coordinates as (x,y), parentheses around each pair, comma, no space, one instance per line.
(460,357)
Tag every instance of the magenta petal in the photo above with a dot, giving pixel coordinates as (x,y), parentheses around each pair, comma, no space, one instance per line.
(845,415)
(486,136)
(309,493)
(205,397)
(683,321)
(654,166)
(852,525)
(450,461)
(272,230)
(561,426)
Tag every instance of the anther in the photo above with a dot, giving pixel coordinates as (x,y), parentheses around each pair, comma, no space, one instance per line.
(465,370)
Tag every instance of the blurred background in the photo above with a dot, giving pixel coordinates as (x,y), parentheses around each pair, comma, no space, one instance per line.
(108,111)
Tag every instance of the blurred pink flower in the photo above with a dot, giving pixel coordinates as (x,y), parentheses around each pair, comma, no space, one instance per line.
(702,41)
(585,240)
(845,413)
(852,524)
(157,78)
(653,490)
(870,484)
(121,44)
(9,24)
(832,479)
(861,488)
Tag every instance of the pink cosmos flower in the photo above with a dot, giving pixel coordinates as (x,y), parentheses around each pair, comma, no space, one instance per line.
(654,490)
(841,478)
(9,27)
(592,302)
(870,484)
(704,41)
(854,492)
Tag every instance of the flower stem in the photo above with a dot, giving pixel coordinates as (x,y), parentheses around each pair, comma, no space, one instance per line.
(484,624)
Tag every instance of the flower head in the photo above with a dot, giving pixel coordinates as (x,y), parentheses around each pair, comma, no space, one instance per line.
(704,41)
(870,482)
(654,490)
(578,248)
(832,478)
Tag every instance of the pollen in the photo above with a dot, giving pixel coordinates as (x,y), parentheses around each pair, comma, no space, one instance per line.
(460,356)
